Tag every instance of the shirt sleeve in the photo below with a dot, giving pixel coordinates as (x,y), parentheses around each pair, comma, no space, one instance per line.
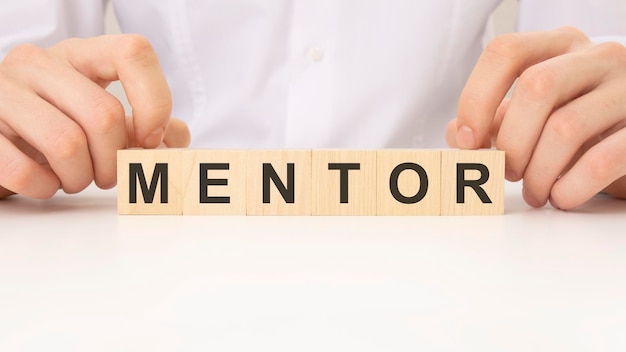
(601,20)
(46,22)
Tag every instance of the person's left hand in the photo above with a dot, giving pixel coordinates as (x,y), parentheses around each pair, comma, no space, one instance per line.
(564,128)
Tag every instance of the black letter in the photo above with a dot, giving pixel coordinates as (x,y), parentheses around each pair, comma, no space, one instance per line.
(288,193)
(205,182)
(461,182)
(393,183)
(343,178)
(136,172)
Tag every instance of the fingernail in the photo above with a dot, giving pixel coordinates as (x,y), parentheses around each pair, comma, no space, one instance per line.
(154,139)
(465,138)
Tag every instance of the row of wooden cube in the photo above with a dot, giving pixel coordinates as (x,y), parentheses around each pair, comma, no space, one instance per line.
(237,184)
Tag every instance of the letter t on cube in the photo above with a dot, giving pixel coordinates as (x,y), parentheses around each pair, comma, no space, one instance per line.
(344,182)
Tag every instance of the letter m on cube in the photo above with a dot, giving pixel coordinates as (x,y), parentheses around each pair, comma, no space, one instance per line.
(137,176)
(149,181)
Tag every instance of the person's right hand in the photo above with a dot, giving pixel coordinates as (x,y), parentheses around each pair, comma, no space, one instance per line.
(60,128)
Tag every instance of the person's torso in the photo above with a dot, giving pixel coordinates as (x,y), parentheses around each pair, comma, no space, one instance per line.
(309,74)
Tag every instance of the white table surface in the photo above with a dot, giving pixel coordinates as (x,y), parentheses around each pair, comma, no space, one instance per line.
(75,276)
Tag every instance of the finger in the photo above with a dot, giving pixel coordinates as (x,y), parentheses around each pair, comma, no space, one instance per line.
(501,63)
(617,188)
(98,113)
(451,130)
(451,133)
(564,134)
(498,119)
(5,192)
(176,136)
(20,174)
(131,59)
(49,131)
(539,91)
(598,168)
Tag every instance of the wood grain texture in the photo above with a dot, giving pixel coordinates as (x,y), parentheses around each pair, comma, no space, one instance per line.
(278,162)
(311,182)
(359,191)
(466,199)
(399,182)
(213,177)
(148,159)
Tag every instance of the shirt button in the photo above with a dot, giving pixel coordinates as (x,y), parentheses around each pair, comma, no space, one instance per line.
(316,53)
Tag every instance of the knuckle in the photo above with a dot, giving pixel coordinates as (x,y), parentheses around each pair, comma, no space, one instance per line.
(506,46)
(611,50)
(538,82)
(575,37)
(566,126)
(108,114)
(64,50)
(135,47)
(18,174)
(24,54)
(604,166)
(573,31)
(69,143)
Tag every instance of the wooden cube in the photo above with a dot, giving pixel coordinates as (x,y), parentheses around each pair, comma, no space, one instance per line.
(408,182)
(344,182)
(149,181)
(279,182)
(305,182)
(472,182)
(214,182)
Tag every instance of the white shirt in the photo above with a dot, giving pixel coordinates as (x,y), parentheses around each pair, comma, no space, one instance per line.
(308,73)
